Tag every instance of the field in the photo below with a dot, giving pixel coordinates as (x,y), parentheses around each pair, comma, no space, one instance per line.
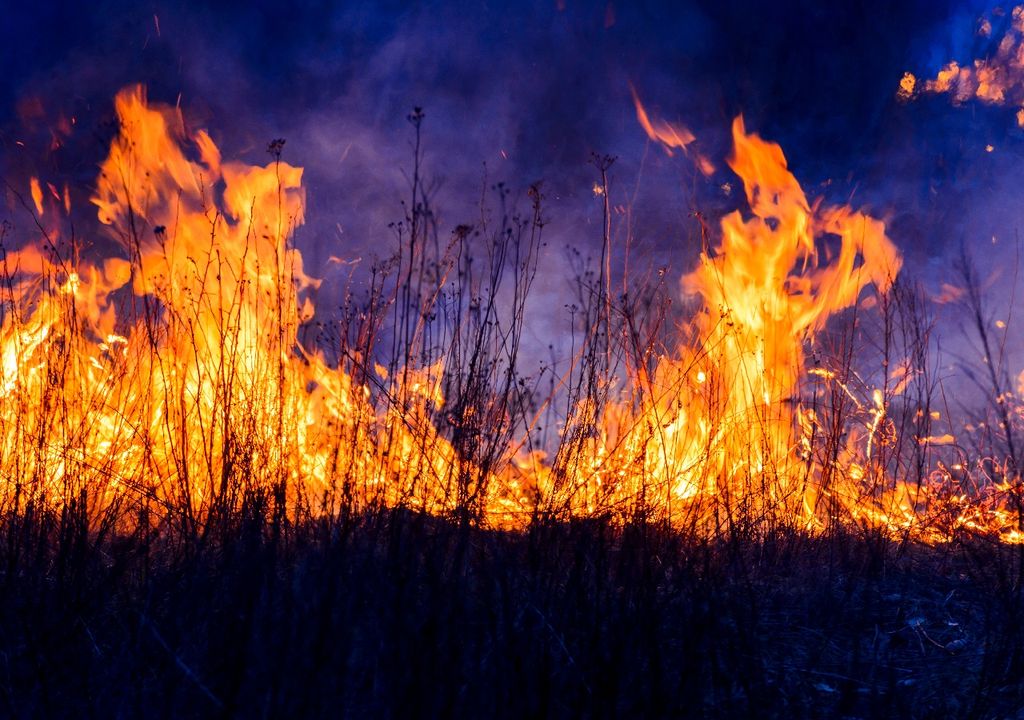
(220,501)
(398,614)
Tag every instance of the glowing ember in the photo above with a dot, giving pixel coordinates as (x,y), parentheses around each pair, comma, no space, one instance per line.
(996,80)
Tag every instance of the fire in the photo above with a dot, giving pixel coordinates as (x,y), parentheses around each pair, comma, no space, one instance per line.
(171,378)
(197,391)
(995,80)
(669,135)
(718,425)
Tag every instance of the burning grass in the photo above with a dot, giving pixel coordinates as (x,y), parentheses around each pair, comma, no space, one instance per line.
(206,481)
(172,378)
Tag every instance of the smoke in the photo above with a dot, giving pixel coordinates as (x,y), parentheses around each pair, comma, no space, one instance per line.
(526,92)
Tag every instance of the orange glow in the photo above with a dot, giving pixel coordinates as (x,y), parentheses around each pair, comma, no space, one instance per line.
(172,376)
(668,135)
(206,380)
(908,83)
(37,194)
(731,437)
(996,80)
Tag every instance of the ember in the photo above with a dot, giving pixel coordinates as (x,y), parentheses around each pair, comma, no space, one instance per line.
(996,80)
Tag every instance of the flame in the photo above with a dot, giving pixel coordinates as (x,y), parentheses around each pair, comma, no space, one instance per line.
(37,194)
(669,135)
(202,392)
(171,377)
(908,84)
(718,424)
(995,80)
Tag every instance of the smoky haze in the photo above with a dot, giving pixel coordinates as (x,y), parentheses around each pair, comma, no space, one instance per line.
(524,92)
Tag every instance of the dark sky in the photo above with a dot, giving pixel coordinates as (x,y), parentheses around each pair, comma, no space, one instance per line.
(532,89)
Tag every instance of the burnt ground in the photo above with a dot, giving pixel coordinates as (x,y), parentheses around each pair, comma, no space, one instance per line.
(395,614)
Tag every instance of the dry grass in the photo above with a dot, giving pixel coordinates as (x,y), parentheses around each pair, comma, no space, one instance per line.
(266,600)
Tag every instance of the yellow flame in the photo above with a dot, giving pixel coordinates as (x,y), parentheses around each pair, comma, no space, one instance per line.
(203,395)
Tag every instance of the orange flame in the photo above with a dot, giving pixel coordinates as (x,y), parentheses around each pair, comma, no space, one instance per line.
(173,378)
(996,80)
(207,385)
(669,135)
(722,410)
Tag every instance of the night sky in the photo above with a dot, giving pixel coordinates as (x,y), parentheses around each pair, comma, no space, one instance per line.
(529,90)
